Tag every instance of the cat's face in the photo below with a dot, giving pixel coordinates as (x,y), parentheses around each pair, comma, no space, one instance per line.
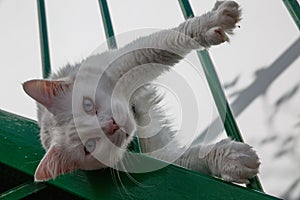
(89,127)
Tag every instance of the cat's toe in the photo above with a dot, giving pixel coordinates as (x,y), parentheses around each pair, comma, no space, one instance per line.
(237,162)
(229,13)
(228,178)
(238,172)
(216,35)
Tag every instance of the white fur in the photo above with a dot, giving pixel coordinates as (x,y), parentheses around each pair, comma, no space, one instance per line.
(122,73)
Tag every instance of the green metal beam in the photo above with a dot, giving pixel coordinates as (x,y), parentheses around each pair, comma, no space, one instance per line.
(224,109)
(22,191)
(221,102)
(109,31)
(44,46)
(21,149)
(134,145)
(294,9)
(112,44)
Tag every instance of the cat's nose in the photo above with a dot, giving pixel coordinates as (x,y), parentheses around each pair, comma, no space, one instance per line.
(110,126)
(114,126)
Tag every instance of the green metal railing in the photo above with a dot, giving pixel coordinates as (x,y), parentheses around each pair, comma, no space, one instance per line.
(21,148)
(221,102)
(23,190)
(112,44)
(108,28)
(45,50)
(294,9)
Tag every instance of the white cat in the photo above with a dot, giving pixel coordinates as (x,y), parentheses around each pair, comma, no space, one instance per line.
(89,112)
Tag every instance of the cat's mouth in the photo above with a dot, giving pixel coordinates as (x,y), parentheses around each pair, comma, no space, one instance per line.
(110,127)
(118,129)
(126,125)
(119,135)
(124,131)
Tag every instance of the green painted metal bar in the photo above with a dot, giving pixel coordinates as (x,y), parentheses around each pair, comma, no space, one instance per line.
(223,106)
(186,9)
(44,46)
(221,102)
(109,31)
(294,9)
(112,44)
(134,145)
(22,191)
(224,109)
(21,149)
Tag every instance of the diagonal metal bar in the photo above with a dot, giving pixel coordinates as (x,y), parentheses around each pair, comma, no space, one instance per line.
(221,102)
(294,9)
(22,191)
(112,44)
(109,31)
(44,46)
(223,107)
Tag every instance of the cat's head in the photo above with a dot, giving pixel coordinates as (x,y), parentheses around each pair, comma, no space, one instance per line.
(83,127)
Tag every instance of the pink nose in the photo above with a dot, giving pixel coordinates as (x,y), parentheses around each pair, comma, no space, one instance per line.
(110,126)
(113,126)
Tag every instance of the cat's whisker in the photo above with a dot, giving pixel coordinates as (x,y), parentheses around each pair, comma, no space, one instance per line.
(112,172)
(116,176)
(123,163)
(123,185)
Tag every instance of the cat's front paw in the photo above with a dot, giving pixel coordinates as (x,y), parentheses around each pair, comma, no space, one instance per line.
(233,161)
(228,15)
(216,35)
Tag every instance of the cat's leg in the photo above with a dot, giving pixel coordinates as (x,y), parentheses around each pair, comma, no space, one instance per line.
(169,46)
(232,161)
(148,57)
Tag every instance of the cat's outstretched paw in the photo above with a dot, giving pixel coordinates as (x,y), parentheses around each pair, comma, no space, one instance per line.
(228,14)
(233,161)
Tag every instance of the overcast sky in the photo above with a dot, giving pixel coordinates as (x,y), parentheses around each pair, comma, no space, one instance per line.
(75,30)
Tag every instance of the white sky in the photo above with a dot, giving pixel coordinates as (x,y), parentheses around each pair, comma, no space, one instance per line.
(75,30)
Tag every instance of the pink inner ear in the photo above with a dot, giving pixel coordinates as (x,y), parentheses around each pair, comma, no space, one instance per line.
(53,164)
(45,91)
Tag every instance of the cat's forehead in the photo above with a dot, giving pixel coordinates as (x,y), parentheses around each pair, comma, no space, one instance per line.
(87,82)
(95,65)
(91,81)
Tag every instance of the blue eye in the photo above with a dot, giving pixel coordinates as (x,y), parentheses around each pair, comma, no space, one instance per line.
(88,105)
(90,146)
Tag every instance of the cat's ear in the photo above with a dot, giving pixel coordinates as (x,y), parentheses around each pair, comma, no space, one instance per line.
(47,92)
(53,164)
